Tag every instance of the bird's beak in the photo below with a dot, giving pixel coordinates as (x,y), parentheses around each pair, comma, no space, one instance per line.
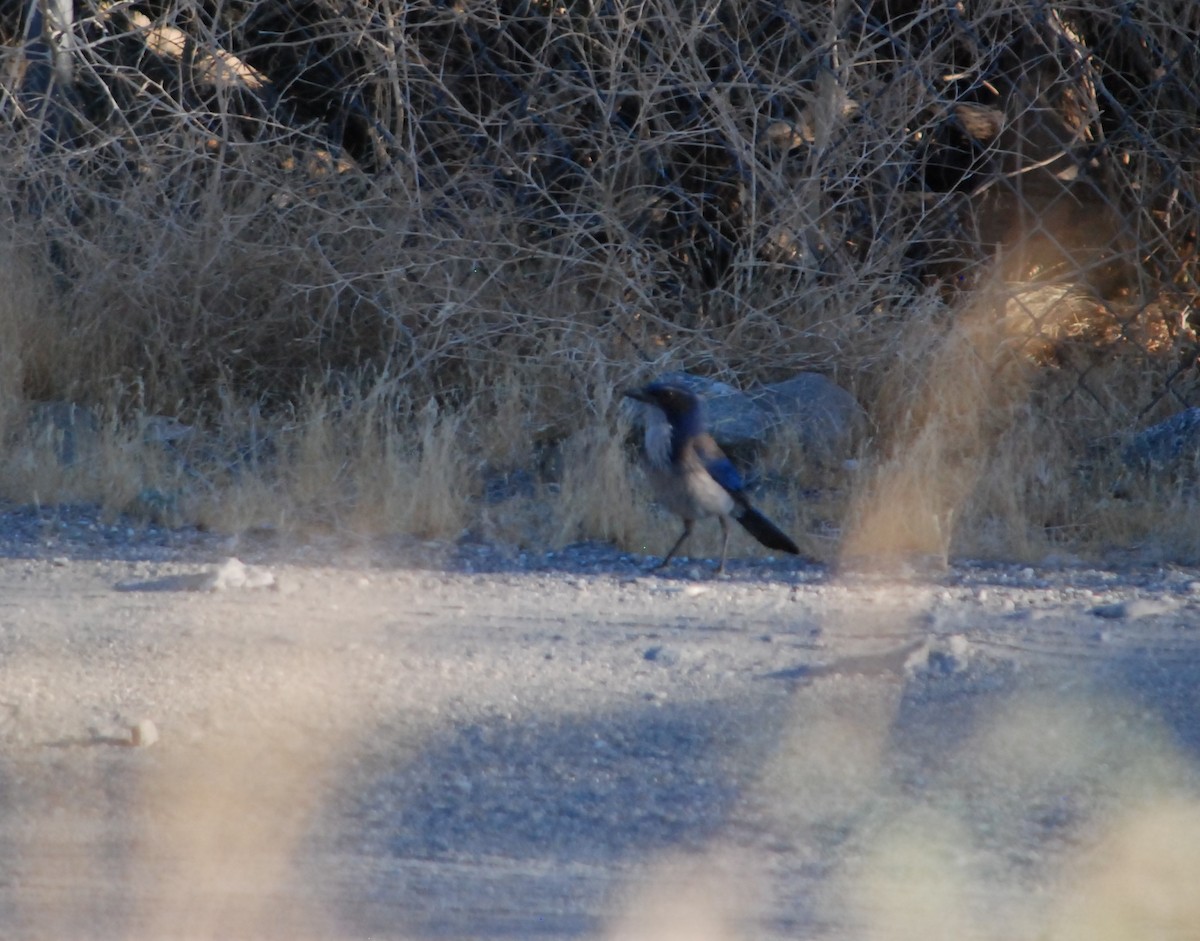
(637,394)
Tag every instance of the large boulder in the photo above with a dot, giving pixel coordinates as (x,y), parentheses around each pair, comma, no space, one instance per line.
(825,418)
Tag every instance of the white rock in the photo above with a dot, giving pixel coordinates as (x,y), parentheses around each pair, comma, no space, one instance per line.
(233,573)
(144,734)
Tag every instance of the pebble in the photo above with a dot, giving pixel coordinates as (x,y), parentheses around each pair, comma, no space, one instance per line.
(661,655)
(943,656)
(233,573)
(1134,608)
(144,734)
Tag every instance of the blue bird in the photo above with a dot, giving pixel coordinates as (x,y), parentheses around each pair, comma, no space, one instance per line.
(691,475)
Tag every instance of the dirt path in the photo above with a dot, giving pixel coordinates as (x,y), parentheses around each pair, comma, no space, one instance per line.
(569,749)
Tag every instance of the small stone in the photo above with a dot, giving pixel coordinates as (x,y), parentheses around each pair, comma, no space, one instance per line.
(940,657)
(233,573)
(1134,608)
(1149,607)
(229,574)
(661,655)
(144,734)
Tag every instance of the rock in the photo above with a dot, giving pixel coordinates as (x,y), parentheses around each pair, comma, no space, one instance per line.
(661,655)
(825,417)
(939,657)
(732,417)
(1134,608)
(1168,445)
(144,734)
(1111,612)
(233,573)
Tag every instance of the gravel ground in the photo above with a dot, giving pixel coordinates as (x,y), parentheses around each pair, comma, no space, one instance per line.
(406,740)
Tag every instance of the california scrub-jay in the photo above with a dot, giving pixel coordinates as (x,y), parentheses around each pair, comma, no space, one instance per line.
(691,475)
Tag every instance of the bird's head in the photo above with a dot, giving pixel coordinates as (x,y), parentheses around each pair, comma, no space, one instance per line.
(674,401)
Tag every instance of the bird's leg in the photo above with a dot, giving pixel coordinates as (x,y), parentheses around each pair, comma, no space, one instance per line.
(724,543)
(687,531)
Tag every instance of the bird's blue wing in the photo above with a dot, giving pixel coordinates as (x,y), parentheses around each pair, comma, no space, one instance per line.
(719,467)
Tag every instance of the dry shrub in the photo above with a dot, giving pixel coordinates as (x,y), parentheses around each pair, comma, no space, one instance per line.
(371,465)
(595,498)
(252,203)
(19,311)
(964,440)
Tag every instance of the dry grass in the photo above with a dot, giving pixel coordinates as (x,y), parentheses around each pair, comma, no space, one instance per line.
(434,261)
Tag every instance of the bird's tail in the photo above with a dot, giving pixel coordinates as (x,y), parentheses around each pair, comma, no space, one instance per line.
(765,531)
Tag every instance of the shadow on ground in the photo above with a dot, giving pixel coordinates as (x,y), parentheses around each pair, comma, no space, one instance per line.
(565,801)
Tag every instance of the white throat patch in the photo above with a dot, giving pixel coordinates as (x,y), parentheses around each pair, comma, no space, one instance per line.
(658,437)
